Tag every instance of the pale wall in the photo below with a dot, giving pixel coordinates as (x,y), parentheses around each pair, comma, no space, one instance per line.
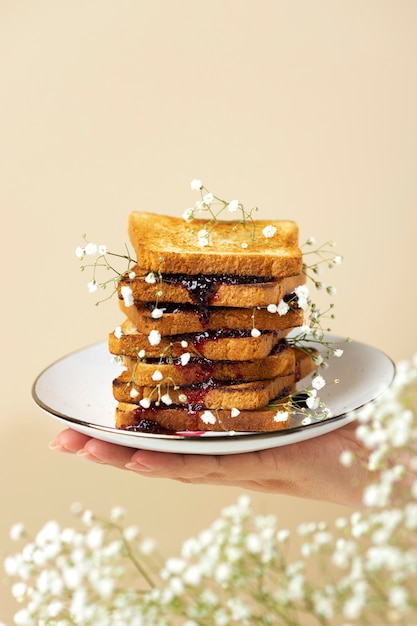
(305,108)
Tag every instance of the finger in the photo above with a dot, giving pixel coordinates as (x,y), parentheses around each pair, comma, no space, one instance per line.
(69,441)
(106,453)
(195,468)
(91,449)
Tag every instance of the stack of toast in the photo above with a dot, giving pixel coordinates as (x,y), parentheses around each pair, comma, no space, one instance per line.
(203,341)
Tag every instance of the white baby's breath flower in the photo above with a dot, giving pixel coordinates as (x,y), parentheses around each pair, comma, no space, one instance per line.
(233,206)
(282,308)
(17,531)
(92,286)
(234,412)
(281,416)
(133,393)
(141,354)
(313,402)
(118,332)
(203,242)
(147,546)
(255,332)
(208,417)
(196,184)
(182,398)
(188,215)
(208,199)
(272,308)
(18,591)
(91,249)
(166,399)
(127,295)
(157,375)
(94,538)
(154,337)
(269,231)
(117,513)
(203,237)
(23,618)
(318,382)
(302,293)
(79,252)
(185,358)
(150,278)
(223,573)
(184,344)
(157,313)
(87,517)
(145,403)
(245,245)
(338,352)
(102,249)
(203,233)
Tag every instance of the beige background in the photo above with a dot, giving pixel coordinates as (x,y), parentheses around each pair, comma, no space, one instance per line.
(305,108)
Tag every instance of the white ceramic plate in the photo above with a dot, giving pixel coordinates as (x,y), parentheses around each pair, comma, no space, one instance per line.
(77,391)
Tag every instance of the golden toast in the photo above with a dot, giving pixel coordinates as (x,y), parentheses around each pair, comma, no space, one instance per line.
(212,290)
(189,319)
(170,245)
(201,370)
(129,416)
(222,345)
(210,395)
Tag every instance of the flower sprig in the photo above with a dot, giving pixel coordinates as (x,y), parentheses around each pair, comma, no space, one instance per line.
(216,207)
(359,570)
(323,255)
(101,261)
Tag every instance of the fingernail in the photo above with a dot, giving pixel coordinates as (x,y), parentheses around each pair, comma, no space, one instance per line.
(138,467)
(57,446)
(84,454)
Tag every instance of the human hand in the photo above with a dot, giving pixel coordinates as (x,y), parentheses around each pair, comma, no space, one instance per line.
(310,469)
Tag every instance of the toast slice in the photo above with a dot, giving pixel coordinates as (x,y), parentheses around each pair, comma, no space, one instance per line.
(202,370)
(169,244)
(210,394)
(187,318)
(171,420)
(210,290)
(223,345)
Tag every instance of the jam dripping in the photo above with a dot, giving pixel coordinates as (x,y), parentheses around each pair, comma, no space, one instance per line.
(144,425)
(202,288)
(279,347)
(152,427)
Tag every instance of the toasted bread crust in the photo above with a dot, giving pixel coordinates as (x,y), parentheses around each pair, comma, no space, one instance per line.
(191,321)
(248,395)
(199,371)
(245,295)
(213,347)
(169,244)
(179,420)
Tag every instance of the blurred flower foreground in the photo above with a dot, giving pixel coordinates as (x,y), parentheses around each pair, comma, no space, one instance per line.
(360,570)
